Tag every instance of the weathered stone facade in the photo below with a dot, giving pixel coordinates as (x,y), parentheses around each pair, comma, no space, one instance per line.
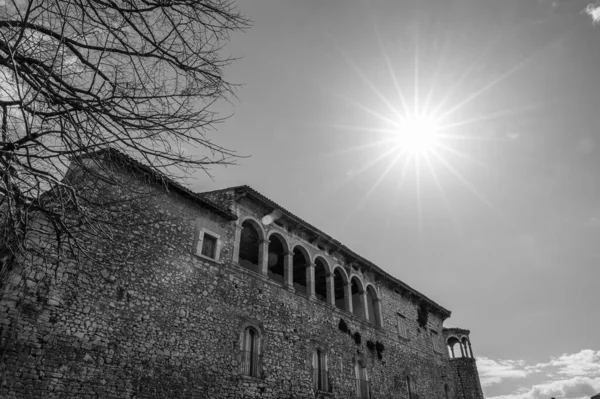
(179,313)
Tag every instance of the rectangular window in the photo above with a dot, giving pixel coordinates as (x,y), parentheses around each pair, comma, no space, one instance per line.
(320,372)
(435,340)
(207,244)
(402,332)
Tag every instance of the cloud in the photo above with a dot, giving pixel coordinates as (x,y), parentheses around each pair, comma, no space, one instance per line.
(593,10)
(584,363)
(571,376)
(495,371)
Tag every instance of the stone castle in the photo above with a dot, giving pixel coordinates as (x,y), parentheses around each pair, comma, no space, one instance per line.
(224,294)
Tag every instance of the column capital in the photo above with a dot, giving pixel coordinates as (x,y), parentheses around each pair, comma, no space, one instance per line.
(289,253)
(311,265)
(266,241)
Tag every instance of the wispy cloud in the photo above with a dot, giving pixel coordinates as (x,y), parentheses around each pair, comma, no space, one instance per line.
(570,376)
(495,371)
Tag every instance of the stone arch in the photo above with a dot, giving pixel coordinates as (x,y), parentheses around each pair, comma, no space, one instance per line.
(300,269)
(466,345)
(250,240)
(256,223)
(320,280)
(373,309)
(278,249)
(451,342)
(340,282)
(357,293)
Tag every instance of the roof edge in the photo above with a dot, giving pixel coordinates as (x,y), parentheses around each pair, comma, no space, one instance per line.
(249,190)
(115,155)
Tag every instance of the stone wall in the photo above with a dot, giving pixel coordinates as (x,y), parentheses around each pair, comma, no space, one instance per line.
(150,319)
(466,378)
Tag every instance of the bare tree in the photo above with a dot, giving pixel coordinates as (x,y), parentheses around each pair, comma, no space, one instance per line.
(81,76)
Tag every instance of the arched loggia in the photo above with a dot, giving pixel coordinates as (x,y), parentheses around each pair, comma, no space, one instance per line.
(320,280)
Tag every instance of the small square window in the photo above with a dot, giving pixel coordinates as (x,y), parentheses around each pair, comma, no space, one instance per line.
(209,246)
(402,331)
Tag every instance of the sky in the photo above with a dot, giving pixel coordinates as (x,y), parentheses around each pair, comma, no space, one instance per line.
(500,220)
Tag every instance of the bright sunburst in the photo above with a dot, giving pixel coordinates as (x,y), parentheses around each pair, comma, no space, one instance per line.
(419,127)
(417,134)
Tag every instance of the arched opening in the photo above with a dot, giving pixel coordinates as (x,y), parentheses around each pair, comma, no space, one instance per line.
(249,247)
(372,308)
(338,289)
(320,372)
(300,263)
(320,280)
(453,350)
(250,363)
(357,303)
(411,388)
(466,347)
(276,260)
(363,390)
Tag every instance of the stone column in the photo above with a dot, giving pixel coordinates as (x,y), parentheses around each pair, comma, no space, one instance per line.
(462,350)
(310,280)
(470,349)
(452,351)
(330,290)
(348,296)
(236,244)
(263,257)
(288,271)
(362,296)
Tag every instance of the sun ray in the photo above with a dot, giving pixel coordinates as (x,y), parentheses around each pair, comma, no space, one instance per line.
(438,183)
(470,186)
(388,63)
(418,191)
(369,111)
(371,86)
(460,154)
(378,182)
(498,79)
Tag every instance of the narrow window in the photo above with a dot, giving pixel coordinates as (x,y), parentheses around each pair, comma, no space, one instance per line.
(447,391)
(320,280)
(338,289)
(276,262)
(320,373)
(411,388)
(249,247)
(250,363)
(299,269)
(356,291)
(362,381)
(402,331)
(372,308)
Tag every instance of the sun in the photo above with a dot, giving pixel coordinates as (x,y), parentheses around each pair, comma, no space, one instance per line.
(417,134)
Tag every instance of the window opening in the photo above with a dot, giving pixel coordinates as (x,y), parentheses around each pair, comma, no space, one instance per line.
(320,280)
(275,263)
(249,247)
(209,246)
